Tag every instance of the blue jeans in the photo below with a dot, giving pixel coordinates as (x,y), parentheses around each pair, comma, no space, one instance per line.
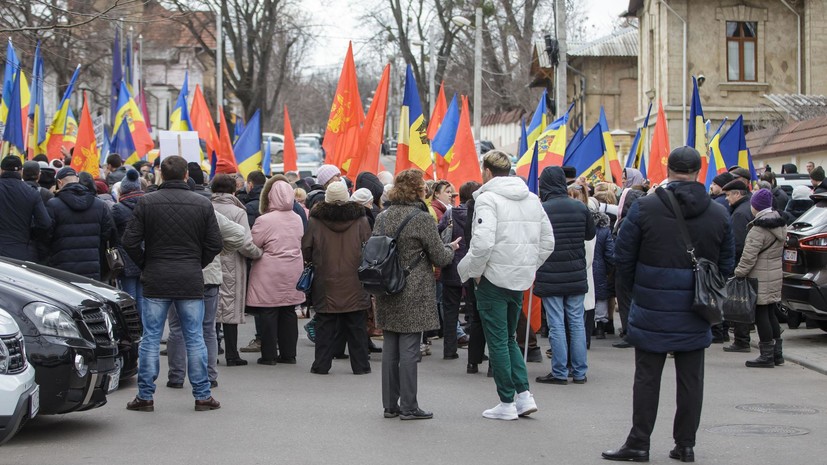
(191,314)
(176,352)
(557,309)
(133,287)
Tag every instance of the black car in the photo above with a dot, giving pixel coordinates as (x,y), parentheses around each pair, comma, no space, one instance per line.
(127,321)
(805,264)
(69,339)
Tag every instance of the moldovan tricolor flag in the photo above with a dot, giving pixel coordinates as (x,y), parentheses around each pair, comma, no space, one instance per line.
(129,114)
(611,163)
(636,153)
(551,146)
(248,147)
(344,126)
(37,118)
(412,150)
(696,134)
(374,128)
(85,157)
(659,155)
(538,123)
(587,158)
(64,129)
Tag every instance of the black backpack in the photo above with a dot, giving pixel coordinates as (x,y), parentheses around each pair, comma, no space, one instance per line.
(381,271)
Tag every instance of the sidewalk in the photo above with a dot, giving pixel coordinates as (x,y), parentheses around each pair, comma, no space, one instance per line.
(806,347)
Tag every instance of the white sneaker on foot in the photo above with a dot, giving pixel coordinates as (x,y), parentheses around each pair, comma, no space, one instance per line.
(525,404)
(503,411)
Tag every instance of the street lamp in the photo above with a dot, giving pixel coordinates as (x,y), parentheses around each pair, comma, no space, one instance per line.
(465,22)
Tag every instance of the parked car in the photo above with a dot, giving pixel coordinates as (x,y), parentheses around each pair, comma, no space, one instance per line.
(19,394)
(805,264)
(308,161)
(127,328)
(69,336)
(788,181)
(312,141)
(276,145)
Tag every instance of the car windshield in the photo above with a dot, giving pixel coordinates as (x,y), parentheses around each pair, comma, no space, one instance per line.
(307,154)
(815,216)
(311,141)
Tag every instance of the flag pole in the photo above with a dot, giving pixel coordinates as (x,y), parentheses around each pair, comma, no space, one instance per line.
(528,323)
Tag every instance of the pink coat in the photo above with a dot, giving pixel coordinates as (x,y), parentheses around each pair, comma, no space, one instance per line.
(278,232)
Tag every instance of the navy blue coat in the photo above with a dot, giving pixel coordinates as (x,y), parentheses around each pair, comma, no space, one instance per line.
(21,210)
(651,260)
(564,272)
(740,220)
(604,250)
(122,214)
(721,198)
(82,226)
(459,215)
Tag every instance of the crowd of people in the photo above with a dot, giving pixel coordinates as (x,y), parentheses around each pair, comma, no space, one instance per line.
(216,250)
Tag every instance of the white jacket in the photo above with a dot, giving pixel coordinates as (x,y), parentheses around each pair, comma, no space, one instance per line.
(512,235)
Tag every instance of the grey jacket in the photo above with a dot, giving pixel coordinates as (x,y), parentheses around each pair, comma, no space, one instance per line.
(233,236)
(761,258)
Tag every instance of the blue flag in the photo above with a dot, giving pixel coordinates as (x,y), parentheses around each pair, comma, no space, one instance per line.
(13,133)
(523,138)
(533,175)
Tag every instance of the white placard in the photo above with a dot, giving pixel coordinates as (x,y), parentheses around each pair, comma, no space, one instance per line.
(181,143)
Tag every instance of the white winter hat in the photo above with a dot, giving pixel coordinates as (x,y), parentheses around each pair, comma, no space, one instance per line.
(362,197)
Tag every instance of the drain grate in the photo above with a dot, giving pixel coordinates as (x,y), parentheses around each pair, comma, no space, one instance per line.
(758,430)
(782,409)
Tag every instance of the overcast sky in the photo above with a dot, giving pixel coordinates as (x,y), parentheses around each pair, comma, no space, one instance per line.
(339,23)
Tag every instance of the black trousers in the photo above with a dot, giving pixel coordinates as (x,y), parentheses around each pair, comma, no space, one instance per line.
(279,328)
(351,326)
(766,321)
(741,334)
(451,296)
(689,368)
(476,336)
(624,301)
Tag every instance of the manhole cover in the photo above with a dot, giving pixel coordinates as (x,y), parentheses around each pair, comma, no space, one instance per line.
(758,430)
(783,409)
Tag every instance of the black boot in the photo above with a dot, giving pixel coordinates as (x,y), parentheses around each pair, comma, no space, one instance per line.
(765,360)
(778,356)
(601,330)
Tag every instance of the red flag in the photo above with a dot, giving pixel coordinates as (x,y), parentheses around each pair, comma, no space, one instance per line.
(438,114)
(144,108)
(374,127)
(202,121)
(85,156)
(346,116)
(536,310)
(291,157)
(465,165)
(659,155)
(225,158)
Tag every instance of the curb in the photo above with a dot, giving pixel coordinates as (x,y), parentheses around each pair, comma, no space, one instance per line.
(799,361)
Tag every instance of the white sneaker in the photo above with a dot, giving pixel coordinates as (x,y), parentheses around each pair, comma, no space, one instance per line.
(525,404)
(503,411)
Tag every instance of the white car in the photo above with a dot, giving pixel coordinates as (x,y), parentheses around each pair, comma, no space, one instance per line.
(19,394)
(308,162)
(276,144)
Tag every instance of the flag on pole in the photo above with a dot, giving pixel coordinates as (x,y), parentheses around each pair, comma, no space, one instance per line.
(12,65)
(224,154)
(716,161)
(611,163)
(289,153)
(85,157)
(438,113)
(533,305)
(247,148)
(464,164)
(659,155)
(443,142)
(129,74)
(117,76)
(201,121)
(123,144)
(588,157)
(574,142)
(412,150)
(238,126)
(179,119)
(266,161)
(551,145)
(534,172)
(344,124)
(523,146)
(130,116)
(538,123)
(37,118)
(64,129)
(13,132)
(696,133)
(733,149)
(373,130)
(634,150)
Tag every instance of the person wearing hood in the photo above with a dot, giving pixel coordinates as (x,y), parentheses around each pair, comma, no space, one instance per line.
(31,173)
(632,177)
(716,190)
(761,260)
(24,215)
(562,281)
(655,269)
(333,242)
(131,192)
(800,203)
(82,226)
(325,176)
(233,290)
(738,196)
(271,289)
(511,238)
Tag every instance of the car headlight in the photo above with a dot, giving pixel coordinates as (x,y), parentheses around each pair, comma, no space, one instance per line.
(4,358)
(51,320)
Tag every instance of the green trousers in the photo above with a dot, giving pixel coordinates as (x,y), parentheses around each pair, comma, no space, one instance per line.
(499,311)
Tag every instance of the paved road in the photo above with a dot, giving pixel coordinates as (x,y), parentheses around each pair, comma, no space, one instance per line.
(284,414)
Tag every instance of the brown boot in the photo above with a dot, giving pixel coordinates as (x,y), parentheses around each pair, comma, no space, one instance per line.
(207,404)
(139,405)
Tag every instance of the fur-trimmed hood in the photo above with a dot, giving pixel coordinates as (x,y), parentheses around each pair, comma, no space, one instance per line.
(772,222)
(601,220)
(337,216)
(281,198)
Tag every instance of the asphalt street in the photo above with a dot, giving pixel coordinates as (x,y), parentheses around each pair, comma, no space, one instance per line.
(285,414)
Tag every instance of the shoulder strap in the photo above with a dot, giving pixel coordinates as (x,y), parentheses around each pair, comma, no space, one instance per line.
(676,209)
(407,219)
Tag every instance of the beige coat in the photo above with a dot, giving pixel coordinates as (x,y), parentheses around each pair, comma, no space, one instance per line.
(761,259)
(233,291)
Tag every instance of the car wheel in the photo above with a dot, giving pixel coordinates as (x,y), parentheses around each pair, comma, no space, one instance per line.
(822,324)
(793,319)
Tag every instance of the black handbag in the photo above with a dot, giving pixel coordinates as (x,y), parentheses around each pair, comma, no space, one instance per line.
(306,279)
(114,261)
(381,271)
(447,234)
(710,286)
(741,298)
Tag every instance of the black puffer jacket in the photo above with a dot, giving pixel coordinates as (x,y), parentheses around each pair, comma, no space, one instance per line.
(252,204)
(564,272)
(82,226)
(741,218)
(796,208)
(121,214)
(779,199)
(457,217)
(21,210)
(173,235)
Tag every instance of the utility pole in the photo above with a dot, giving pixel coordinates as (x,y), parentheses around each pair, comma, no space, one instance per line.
(219,69)
(478,73)
(561,97)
